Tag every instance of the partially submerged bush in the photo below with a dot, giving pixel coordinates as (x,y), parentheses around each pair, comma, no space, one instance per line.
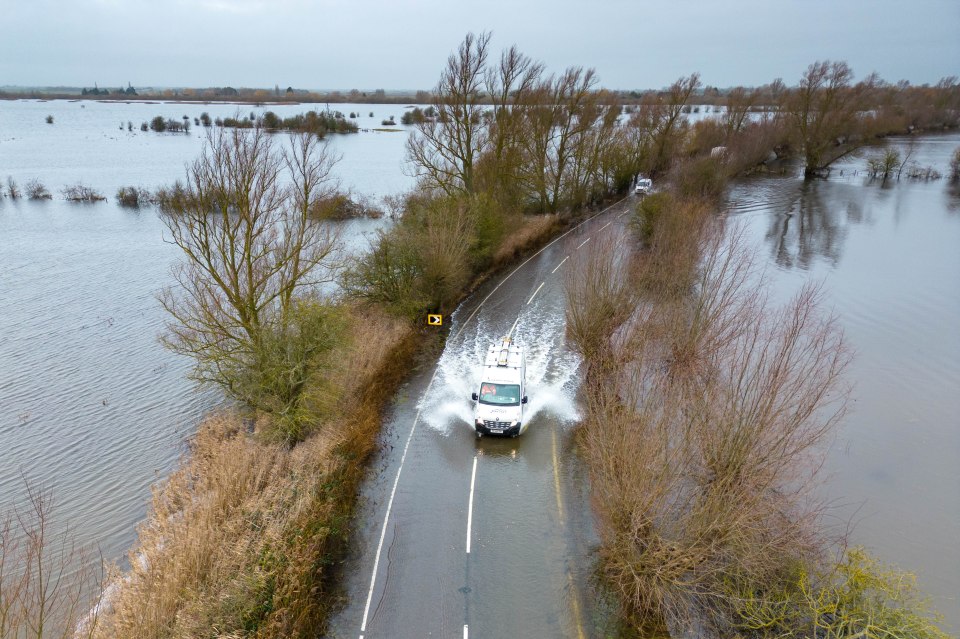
(342,206)
(80,193)
(13,191)
(884,165)
(955,166)
(37,191)
(132,196)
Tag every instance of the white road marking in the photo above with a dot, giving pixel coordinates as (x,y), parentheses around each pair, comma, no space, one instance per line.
(393,492)
(534,294)
(466,632)
(560,264)
(583,242)
(551,243)
(473,481)
(605,225)
(386,518)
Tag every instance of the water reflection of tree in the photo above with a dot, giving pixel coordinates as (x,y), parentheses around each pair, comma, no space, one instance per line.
(813,225)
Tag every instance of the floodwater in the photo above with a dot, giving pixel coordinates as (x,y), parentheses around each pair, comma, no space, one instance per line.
(92,407)
(888,256)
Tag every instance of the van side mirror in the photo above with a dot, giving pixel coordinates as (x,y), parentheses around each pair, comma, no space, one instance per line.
(474,397)
(524,400)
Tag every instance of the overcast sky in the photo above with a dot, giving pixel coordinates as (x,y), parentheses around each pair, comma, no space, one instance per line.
(402,44)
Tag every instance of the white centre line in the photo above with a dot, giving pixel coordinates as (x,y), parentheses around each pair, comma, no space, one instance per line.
(605,225)
(560,264)
(413,428)
(583,242)
(473,481)
(466,632)
(535,293)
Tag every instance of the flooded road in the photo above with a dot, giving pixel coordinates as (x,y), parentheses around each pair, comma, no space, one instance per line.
(484,537)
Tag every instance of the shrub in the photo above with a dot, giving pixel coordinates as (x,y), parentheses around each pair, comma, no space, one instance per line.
(955,166)
(701,177)
(205,119)
(925,173)
(421,264)
(144,126)
(859,598)
(389,122)
(648,212)
(80,193)
(49,119)
(882,166)
(414,116)
(37,191)
(158,124)
(133,197)
(13,191)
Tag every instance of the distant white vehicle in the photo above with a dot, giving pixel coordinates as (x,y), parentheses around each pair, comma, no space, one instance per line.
(503,387)
(644,186)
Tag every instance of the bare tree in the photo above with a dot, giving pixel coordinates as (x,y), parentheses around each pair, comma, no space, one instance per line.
(252,251)
(739,103)
(824,113)
(660,125)
(45,584)
(559,116)
(444,150)
(509,86)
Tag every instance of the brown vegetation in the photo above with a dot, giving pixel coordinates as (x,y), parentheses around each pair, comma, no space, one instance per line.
(80,193)
(246,535)
(707,409)
(37,191)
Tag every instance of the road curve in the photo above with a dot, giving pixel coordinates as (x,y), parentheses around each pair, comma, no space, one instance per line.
(460,537)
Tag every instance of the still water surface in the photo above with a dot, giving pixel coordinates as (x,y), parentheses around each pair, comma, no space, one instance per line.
(889,260)
(93,408)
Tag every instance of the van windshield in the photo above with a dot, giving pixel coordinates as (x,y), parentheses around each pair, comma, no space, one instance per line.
(499,394)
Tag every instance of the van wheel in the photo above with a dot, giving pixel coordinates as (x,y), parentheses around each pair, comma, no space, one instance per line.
(479,435)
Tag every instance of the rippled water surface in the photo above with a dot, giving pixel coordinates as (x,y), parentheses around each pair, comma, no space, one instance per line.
(889,259)
(92,407)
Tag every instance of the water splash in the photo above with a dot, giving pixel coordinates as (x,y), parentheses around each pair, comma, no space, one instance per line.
(552,379)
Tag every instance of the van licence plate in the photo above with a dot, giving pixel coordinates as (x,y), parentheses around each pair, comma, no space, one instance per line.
(496,431)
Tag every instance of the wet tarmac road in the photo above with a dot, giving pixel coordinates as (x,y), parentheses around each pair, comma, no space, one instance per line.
(465,537)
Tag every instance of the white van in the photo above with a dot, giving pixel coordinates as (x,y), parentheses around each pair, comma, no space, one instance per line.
(644,185)
(499,404)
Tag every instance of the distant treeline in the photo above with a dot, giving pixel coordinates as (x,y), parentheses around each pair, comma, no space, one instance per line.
(226,94)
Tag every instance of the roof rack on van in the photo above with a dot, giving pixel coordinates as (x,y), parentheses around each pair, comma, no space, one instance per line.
(504,357)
